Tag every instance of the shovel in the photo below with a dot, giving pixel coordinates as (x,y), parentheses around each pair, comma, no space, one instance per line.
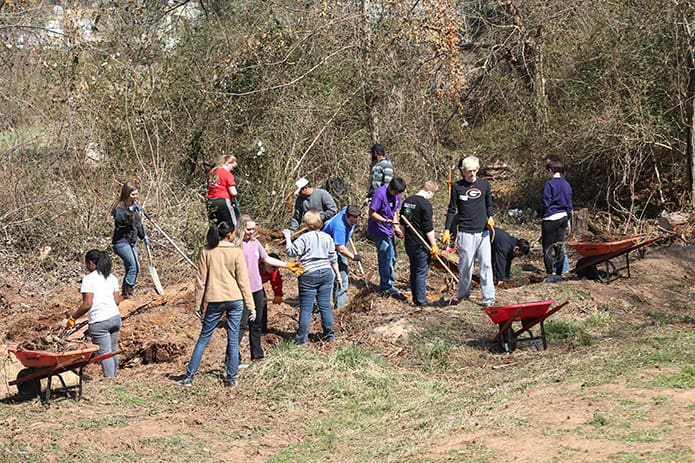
(153,270)
(156,225)
(446,267)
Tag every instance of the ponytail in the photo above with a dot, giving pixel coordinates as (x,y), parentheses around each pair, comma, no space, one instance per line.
(102,261)
(218,232)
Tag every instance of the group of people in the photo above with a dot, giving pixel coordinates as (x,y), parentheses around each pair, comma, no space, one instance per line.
(234,265)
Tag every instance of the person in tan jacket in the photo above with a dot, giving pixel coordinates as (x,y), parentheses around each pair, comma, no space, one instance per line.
(222,281)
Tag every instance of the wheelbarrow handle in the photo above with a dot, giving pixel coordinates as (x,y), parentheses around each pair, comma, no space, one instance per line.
(105,356)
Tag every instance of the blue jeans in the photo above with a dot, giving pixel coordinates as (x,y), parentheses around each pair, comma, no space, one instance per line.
(419,258)
(316,285)
(386,256)
(129,253)
(105,335)
(340,295)
(213,314)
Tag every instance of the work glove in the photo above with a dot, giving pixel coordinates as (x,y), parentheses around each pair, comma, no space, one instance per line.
(287,233)
(199,313)
(446,237)
(295,267)
(252,315)
(490,223)
(435,251)
(278,300)
(68,323)
(357,258)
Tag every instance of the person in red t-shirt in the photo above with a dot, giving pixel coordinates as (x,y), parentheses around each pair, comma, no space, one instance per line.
(223,205)
(272,274)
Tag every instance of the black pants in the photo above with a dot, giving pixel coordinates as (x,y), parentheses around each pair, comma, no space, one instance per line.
(553,235)
(255,326)
(222,210)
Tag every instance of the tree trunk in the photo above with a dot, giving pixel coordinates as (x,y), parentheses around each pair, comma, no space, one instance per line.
(370,100)
(690,107)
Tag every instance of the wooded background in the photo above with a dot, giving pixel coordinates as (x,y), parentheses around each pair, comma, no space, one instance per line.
(97,92)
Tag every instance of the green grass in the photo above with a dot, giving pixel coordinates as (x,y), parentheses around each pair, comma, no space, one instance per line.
(684,378)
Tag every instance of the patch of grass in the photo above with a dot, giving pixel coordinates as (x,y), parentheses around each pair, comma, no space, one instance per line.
(567,330)
(601,320)
(645,435)
(665,456)
(598,420)
(682,379)
(432,349)
(104,422)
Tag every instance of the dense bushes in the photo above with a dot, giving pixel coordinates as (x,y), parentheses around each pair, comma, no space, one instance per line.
(304,89)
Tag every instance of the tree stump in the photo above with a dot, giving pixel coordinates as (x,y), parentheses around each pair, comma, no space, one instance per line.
(580,222)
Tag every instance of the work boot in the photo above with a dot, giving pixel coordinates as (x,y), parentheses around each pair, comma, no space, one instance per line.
(127,291)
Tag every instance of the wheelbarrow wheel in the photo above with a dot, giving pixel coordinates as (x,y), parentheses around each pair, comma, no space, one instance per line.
(26,388)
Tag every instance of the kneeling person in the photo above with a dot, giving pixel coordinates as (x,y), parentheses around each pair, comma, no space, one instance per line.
(506,247)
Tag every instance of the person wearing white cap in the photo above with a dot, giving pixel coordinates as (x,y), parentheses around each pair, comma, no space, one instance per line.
(309,198)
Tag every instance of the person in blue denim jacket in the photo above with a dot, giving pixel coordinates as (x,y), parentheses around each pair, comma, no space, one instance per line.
(127,218)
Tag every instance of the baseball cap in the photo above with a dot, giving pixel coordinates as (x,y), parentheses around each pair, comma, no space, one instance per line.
(301,183)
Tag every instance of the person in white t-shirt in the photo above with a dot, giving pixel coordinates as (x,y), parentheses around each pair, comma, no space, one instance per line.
(100,299)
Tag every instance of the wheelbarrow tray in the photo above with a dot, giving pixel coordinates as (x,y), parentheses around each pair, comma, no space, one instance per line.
(529,314)
(45,359)
(604,249)
(517,312)
(46,365)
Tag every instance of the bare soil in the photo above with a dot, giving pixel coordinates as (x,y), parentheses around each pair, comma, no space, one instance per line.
(159,332)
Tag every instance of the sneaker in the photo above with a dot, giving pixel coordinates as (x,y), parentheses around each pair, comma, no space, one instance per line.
(187,382)
(552,279)
(243,366)
(259,359)
(390,292)
(487,304)
(229,383)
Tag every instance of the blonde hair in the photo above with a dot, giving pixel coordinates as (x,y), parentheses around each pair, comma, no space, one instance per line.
(469,163)
(312,220)
(242,227)
(431,186)
(224,159)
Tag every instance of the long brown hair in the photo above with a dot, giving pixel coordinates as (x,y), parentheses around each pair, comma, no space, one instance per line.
(127,188)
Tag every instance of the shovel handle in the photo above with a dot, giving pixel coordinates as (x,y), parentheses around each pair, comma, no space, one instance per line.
(156,225)
(429,248)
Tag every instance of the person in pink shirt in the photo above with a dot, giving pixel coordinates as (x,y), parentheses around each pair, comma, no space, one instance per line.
(223,205)
(254,254)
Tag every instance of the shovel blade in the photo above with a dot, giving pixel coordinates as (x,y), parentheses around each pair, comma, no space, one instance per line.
(155,279)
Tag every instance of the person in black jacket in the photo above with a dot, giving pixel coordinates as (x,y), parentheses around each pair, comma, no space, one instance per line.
(471,202)
(420,242)
(127,218)
(506,247)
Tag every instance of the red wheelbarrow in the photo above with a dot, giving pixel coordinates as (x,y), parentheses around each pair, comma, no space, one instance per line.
(594,254)
(529,314)
(42,364)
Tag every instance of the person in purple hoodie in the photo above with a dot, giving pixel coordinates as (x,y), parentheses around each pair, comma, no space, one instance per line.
(386,201)
(555,208)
